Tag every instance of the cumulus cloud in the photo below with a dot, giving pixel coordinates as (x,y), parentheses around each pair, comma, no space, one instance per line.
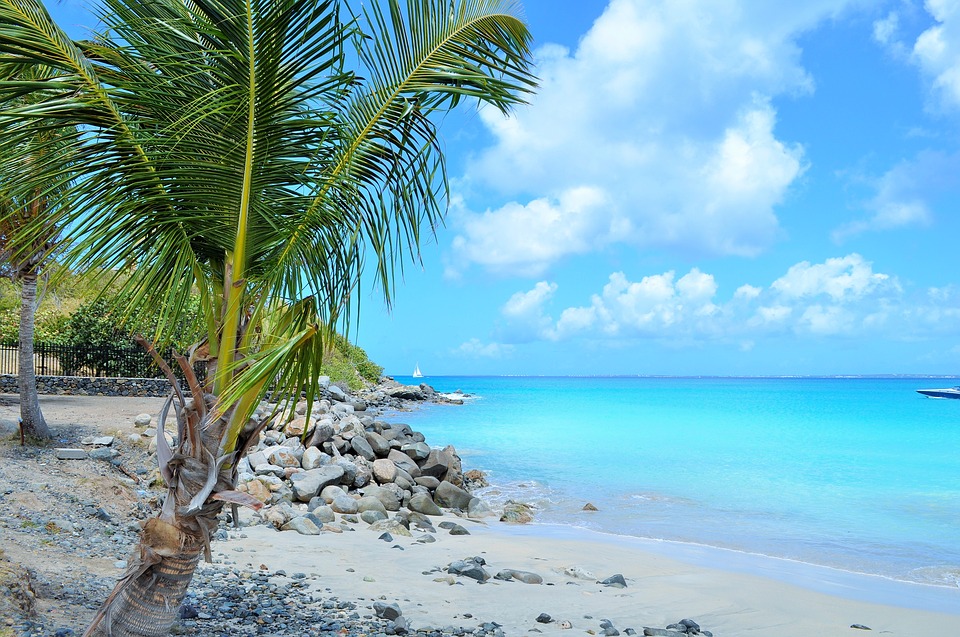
(841,279)
(475,348)
(662,113)
(839,297)
(937,51)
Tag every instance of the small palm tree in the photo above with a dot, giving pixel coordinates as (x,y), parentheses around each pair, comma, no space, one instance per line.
(227,147)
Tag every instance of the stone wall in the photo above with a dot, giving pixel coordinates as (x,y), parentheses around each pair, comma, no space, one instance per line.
(87,386)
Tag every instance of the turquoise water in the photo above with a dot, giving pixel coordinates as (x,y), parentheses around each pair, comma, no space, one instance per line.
(852,473)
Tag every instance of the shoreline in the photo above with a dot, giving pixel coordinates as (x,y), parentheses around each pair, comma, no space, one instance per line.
(846,584)
(660,589)
(725,591)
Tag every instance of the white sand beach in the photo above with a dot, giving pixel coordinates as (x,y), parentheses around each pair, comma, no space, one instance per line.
(660,589)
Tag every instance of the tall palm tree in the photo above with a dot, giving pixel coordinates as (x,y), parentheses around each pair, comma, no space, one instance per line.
(24,260)
(261,152)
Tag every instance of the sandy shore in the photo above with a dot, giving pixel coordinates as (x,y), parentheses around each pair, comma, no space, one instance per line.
(726,592)
(660,589)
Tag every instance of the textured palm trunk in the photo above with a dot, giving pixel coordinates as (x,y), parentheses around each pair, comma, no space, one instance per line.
(147,598)
(32,419)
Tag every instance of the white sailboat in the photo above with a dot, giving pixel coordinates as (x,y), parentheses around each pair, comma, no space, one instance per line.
(416,371)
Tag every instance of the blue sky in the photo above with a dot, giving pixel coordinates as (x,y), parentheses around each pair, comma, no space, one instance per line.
(733,187)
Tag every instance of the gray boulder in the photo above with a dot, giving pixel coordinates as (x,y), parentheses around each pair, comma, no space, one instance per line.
(404,462)
(344,504)
(379,444)
(416,450)
(423,503)
(389,499)
(452,497)
(307,484)
(384,471)
(363,448)
(302,525)
(322,433)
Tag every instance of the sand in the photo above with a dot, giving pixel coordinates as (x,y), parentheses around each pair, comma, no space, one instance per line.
(726,592)
(660,589)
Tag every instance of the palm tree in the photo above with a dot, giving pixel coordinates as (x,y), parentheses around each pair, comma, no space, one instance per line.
(23,261)
(226,146)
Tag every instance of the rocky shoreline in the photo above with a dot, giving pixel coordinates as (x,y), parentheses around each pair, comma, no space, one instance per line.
(356,472)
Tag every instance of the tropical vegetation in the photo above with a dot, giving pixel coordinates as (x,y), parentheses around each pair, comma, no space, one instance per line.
(262,155)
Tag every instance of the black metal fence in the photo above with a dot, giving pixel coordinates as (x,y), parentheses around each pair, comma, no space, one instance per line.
(82,360)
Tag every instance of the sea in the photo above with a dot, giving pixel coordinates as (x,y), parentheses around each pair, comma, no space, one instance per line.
(856,474)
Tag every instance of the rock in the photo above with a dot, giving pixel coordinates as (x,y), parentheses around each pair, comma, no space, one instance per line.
(255,488)
(479,509)
(142,420)
(405,392)
(451,496)
(379,444)
(322,433)
(390,526)
(428,481)
(307,484)
(405,462)
(313,458)
(70,454)
(330,493)
(437,464)
(469,568)
(384,471)
(589,507)
(516,513)
(336,393)
(344,504)
(103,453)
(660,632)
(256,459)
(543,618)
(278,515)
(387,498)
(690,625)
(456,529)
(423,503)
(296,427)
(283,457)
(615,581)
(386,611)
(324,514)
(371,503)
(302,525)
(102,441)
(399,626)
(416,450)
(522,576)
(372,516)
(363,449)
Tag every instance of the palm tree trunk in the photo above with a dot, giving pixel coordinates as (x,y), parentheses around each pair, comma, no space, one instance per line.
(33,423)
(146,600)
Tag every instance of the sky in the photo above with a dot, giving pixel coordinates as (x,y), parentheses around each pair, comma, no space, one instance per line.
(699,187)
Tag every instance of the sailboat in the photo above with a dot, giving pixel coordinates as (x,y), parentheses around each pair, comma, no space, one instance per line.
(416,371)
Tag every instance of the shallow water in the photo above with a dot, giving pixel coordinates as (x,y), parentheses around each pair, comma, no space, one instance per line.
(858,474)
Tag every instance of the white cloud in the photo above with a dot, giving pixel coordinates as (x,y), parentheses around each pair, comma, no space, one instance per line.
(904,194)
(839,297)
(475,348)
(937,51)
(842,279)
(524,239)
(665,109)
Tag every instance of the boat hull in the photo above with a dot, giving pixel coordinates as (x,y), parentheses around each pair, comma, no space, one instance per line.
(940,393)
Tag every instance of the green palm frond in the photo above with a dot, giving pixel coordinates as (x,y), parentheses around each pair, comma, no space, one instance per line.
(226,149)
